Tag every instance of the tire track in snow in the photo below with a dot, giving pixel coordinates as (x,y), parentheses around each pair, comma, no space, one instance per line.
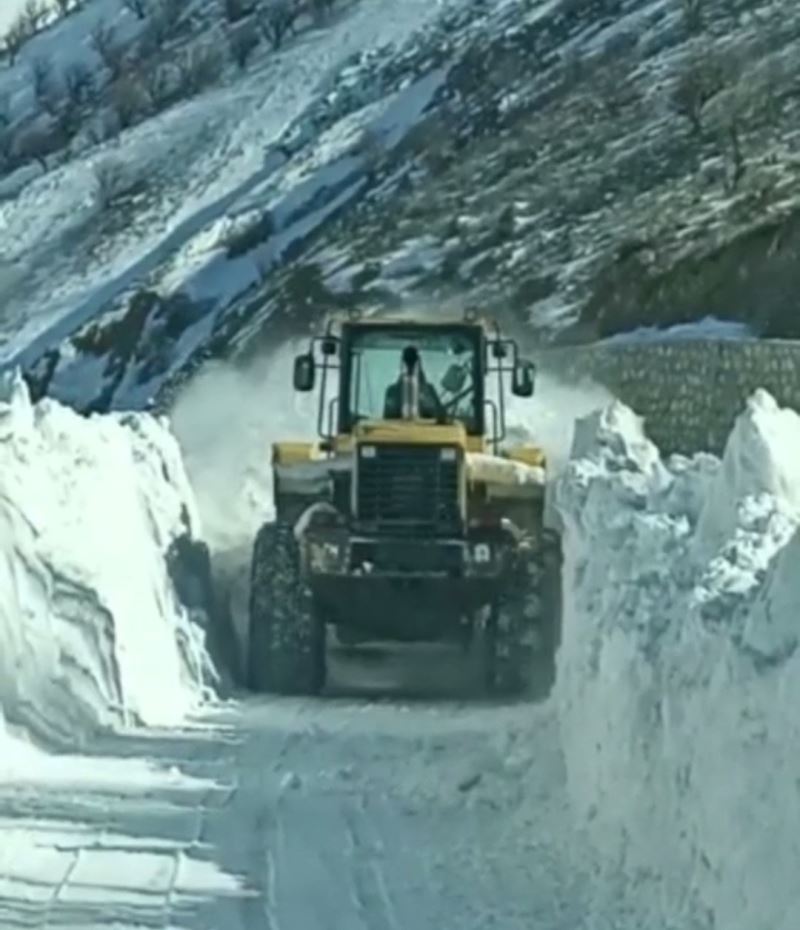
(370,895)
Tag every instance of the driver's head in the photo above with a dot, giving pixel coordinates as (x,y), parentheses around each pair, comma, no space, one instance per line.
(410,358)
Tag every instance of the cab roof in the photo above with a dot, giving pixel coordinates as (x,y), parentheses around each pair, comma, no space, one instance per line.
(445,321)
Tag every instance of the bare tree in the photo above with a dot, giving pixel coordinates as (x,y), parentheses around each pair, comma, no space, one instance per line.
(693,16)
(199,67)
(277,19)
(65,7)
(114,182)
(162,26)
(6,148)
(34,14)
(242,41)
(614,86)
(236,10)
(321,9)
(42,77)
(128,100)
(155,81)
(79,83)
(139,8)
(17,35)
(700,79)
(103,39)
(729,113)
(170,13)
(38,142)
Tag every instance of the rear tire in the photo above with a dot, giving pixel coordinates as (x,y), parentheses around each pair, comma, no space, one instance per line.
(286,652)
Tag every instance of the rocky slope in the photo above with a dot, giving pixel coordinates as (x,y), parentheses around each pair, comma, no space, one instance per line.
(581,167)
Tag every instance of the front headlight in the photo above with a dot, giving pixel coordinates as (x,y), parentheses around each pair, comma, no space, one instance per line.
(448,454)
(368,452)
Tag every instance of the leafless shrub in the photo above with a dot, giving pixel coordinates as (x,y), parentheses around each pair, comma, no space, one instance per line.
(242,42)
(277,19)
(105,126)
(370,146)
(615,86)
(42,77)
(729,114)
(168,13)
(17,35)
(67,116)
(104,41)
(139,8)
(34,15)
(702,76)
(155,81)
(198,68)
(693,16)
(65,7)
(128,100)
(162,26)
(37,142)
(236,10)
(79,83)
(114,182)
(321,9)
(6,148)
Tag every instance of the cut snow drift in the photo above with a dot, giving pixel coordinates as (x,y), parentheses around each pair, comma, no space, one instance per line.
(679,675)
(226,420)
(96,520)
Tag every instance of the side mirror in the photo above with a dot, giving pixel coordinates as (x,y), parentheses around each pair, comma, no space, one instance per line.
(305,371)
(454,378)
(522,379)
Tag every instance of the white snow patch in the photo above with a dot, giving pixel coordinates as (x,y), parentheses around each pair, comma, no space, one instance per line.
(679,674)
(91,631)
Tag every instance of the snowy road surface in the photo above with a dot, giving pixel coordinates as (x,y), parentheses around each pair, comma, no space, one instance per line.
(346,814)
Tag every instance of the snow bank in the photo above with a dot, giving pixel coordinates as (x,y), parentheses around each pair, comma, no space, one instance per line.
(92,632)
(679,674)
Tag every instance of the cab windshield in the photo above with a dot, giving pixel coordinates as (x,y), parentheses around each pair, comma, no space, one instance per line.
(447,370)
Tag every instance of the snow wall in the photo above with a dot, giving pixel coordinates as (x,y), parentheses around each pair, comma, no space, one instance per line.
(679,675)
(95,517)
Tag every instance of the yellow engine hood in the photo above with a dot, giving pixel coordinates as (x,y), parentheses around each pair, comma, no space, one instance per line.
(414,432)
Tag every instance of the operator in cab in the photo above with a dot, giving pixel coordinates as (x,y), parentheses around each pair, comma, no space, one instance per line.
(412,395)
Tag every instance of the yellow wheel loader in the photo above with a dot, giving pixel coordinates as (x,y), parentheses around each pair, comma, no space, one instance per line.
(410,519)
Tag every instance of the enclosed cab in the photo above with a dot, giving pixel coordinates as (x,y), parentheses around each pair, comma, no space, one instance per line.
(410,519)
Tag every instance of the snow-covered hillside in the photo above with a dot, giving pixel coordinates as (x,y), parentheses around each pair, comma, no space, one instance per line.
(102,603)
(201,174)
(533,157)
(678,679)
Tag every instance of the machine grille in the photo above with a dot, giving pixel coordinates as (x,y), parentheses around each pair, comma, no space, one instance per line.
(409,490)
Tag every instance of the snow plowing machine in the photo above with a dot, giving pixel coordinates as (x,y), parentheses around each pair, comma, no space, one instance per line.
(411,518)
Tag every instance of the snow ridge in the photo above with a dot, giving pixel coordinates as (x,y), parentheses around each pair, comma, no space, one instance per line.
(92,631)
(679,674)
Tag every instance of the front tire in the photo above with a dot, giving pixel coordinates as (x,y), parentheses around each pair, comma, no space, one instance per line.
(522,630)
(286,652)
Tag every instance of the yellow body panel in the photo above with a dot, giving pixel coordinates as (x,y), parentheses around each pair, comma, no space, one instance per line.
(528,455)
(294,453)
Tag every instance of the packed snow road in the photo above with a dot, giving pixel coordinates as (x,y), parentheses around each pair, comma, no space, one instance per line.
(343,813)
